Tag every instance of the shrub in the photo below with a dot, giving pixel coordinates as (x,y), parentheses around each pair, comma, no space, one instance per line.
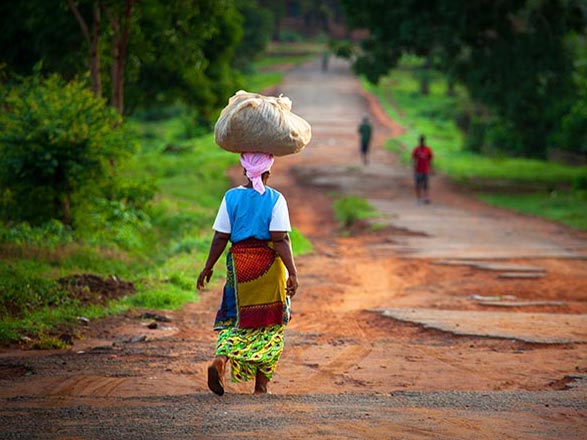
(57,138)
(21,292)
(580,183)
(342,49)
(49,235)
(572,135)
(352,208)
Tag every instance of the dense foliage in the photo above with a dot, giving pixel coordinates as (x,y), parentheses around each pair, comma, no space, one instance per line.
(143,53)
(512,56)
(257,30)
(57,140)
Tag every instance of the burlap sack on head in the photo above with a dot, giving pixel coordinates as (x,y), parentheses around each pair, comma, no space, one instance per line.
(264,124)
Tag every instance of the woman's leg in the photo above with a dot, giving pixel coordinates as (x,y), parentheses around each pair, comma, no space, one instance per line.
(261,382)
(216,375)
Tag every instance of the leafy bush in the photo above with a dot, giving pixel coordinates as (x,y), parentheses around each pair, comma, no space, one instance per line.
(56,139)
(49,235)
(342,48)
(580,183)
(21,292)
(289,36)
(475,139)
(257,30)
(123,212)
(166,297)
(190,244)
(349,209)
(503,138)
(572,135)
(300,244)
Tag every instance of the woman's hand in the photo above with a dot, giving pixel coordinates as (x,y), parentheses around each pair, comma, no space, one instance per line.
(216,248)
(204,277)
(292,285)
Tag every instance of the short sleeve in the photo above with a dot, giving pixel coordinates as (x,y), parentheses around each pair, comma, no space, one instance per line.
(280,216)
(222,222)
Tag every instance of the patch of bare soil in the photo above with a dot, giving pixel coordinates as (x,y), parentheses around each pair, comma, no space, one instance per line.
(93,289)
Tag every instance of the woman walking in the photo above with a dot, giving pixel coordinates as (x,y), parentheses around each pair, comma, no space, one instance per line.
(260,280)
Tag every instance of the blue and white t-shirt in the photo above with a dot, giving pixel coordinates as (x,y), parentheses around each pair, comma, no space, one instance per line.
(244,213)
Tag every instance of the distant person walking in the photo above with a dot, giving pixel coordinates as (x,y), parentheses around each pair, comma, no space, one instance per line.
(325,59)
(422,160)
(365,130)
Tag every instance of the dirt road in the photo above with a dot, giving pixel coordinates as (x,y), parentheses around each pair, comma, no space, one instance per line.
(453,320)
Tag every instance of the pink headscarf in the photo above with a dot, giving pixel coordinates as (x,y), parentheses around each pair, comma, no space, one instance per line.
(255,165)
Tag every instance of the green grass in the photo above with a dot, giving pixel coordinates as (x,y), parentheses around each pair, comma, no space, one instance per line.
(269,70)
(262,81)
(568,207)
(172,252)
(299,243)
(349,209)
(434,116)
(279,61)
(161,254)
(295,49)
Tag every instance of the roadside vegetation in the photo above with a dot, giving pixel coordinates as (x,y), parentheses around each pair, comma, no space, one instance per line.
(348,210)
(532,186)
(139,251)
(498,88)
(109,175)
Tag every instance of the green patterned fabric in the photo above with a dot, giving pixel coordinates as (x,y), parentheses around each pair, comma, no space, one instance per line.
(250,350)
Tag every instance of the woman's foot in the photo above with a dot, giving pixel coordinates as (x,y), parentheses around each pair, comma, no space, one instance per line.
(216,375)
(261,382)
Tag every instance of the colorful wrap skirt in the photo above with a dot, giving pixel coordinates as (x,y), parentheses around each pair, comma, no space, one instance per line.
(254,311)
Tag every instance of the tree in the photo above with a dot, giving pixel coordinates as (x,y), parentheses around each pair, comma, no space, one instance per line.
(277,9)
(38,30)
(408,26)
(510,55)
(150,51)
(56,139)
(257,30)
(183,50)
(92,37)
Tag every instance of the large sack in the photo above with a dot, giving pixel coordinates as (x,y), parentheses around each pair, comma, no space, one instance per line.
(264,124)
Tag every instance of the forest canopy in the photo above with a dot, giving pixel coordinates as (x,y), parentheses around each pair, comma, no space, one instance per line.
(522,62)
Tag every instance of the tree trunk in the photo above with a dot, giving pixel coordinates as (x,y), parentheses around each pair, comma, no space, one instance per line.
(114,77)
(120,34)
(66,206)
(95,52)
(425,76)
(450,87)
(93,40)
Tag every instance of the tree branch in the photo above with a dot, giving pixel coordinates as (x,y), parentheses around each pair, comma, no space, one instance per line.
(78,16)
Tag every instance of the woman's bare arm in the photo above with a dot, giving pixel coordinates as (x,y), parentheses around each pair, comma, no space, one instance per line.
(217,246)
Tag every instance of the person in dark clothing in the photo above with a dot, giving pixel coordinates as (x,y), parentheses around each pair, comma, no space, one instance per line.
(325,59)
(365,131)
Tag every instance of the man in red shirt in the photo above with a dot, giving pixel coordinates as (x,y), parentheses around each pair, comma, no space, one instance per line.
(422,160)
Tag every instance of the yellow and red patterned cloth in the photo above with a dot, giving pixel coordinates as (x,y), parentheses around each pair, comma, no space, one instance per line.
(254,295)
